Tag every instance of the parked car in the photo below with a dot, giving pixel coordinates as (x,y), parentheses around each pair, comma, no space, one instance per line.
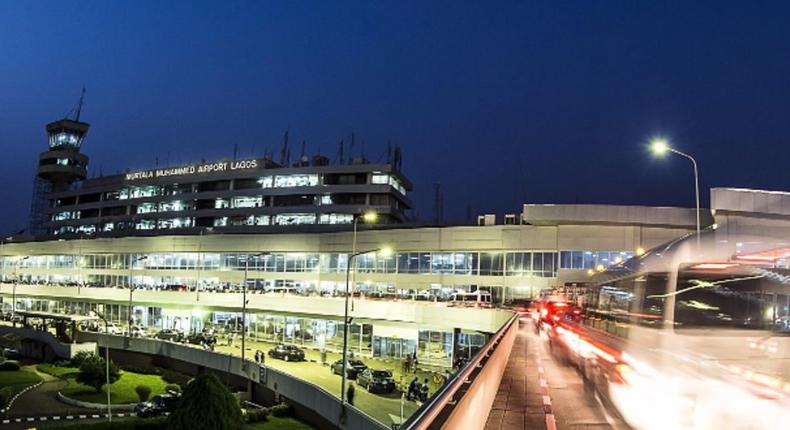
(171,335)
(158,405)
(376,380)
(287,352)
(111,329)
(138,331)
(201,339)
(353,368)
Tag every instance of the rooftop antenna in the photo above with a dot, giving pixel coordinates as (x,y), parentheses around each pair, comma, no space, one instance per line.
(351,149)
(284,151)
(79,105)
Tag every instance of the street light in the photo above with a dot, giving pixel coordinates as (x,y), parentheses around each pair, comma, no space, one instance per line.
(386,252)
(131,290)
(16,281)
(107,361)
(368,217)
(660,147)
(244,304)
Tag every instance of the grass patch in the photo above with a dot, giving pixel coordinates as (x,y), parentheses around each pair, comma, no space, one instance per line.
(18,380)
(122,391)
(59,371)
(275,423)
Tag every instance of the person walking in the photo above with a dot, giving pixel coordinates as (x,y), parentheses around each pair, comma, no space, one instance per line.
(424,391)
(414,389)
(414,361)
(350,394)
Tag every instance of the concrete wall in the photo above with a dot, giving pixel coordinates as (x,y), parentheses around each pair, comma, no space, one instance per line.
(47,342)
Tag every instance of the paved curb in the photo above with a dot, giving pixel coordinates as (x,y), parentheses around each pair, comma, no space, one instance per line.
(66,418)
(13,399)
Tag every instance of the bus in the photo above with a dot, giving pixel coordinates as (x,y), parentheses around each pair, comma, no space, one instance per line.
(691,335)
(478,298)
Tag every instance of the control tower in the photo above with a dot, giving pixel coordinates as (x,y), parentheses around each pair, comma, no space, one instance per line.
(59,166)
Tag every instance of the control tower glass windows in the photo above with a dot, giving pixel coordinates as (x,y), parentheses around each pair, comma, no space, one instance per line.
(294,219)
(64,139)
(285,181)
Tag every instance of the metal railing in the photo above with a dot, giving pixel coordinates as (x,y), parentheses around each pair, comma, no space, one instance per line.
(428,415)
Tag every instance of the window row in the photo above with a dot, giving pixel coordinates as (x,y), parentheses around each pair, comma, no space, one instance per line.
(541,264)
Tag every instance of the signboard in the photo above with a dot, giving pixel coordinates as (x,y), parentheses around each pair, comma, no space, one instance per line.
(193,169)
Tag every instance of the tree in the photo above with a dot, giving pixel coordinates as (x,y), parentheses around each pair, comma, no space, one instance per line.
(93,372)
(143,392)
(207,404)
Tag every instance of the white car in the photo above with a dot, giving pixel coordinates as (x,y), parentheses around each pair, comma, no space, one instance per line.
(112,329)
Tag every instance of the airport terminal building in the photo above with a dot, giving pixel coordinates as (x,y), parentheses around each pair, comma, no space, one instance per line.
(187,238)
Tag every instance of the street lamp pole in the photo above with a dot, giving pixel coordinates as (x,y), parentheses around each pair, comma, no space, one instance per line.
(661,146)
(131,290)
(107,362)
(347,320)
(244,304)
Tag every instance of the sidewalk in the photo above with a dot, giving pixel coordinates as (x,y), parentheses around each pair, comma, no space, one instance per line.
(519,402)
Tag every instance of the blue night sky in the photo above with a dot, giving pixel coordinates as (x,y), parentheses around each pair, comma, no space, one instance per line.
(500,102)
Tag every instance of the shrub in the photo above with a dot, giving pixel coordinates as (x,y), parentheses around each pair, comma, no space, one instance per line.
(172,388)
(143,392)
(93,372)
(5,396)
(9,365)
(207,404)
(143,369)
(281,410)
(80,357)
(257,415)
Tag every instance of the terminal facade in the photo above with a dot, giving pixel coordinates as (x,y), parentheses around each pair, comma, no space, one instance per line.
(188,238)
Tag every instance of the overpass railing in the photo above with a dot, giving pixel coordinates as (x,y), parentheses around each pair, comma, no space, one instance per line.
(443,410)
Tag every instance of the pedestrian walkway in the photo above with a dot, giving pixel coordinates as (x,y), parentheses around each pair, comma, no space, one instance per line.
(519,402)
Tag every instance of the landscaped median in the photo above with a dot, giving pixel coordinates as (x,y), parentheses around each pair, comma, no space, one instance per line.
(122,391)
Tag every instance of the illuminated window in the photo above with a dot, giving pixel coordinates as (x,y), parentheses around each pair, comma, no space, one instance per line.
(326,200)
(145,224)
(63,139)
(145,208)
(221,221)
(175,205)
(221,204)
(294,219)
(285,181)
(266,181)
(246,202)
(336,219)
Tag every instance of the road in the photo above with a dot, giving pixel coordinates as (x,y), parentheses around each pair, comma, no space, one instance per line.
(537,392)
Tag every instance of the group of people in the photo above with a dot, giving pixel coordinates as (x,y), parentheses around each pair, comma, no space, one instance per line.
(409,363)
(418,391)
(259,357)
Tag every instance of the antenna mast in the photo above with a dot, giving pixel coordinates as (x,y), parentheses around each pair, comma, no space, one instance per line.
(79,105)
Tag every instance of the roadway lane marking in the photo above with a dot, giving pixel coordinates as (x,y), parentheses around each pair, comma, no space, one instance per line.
(30,419)
(82,417)
(42,418)
(69,417)
(56,418)
(95,416)
(6,421)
